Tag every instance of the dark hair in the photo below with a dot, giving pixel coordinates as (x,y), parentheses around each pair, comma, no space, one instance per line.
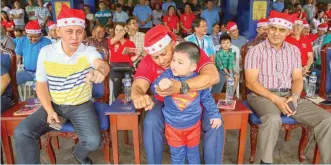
(318,13)
(4,12)
(189,48)
(109,26)
(196,22)
(123,25)
(171,6)
(101,2)
(296,5)
(209,1)
(118,6)
(130,19)
(215,24)
(18,30)
(225,37)
(187,3)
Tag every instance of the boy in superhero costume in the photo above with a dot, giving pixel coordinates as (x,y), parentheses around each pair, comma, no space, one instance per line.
(182,112)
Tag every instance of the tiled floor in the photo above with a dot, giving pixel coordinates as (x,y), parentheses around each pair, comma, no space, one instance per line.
(284,153)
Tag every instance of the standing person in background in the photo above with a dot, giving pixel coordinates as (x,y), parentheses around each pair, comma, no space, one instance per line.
(290,5)
(215,35)
(103,16)
(119,14)
(143,15)
(327,10)
(136,37)
(128,8)
(196,7)
(186,20)
(300,11)
(310,9)
(236,39)
(317,21)
(42,14)
(211,16)
(278,5)
(9,25)
(90,19)
(165,6)
(171,20)
(17,15)
(4,7)
(30,10)
(157,14)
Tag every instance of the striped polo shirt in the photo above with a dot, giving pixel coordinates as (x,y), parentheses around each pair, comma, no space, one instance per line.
(66,75)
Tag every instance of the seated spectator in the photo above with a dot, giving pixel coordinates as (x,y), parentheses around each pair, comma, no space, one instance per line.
(211,16)
(5,41)
(116,46)
(18,35)
(103,16)
(236,39)
(4,7)
(310,9)
(7,24)
(200,38)
(278,5)
(143,14)
(157,14)
(90,19)
(186,20)
(98,39)
(306,31)
(110,32)
(327,38)
(286,11)
(223,30)
(136,37)
(262,26)
(43,15)
(119,15)
(28,48)
(327,10)
(171,20)
(6,92)
(30,10)
(165,6)
(299,11)
(317,21)
(17,15)
(215,35)
(128,8)
(321,33)
(52,35)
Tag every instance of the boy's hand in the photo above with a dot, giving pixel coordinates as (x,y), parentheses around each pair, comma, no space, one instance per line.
(165,84)
(215,123)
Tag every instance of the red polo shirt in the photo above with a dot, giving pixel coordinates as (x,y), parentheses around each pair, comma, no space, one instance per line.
(117,49)
(328,13)
(187,19)
(312,37)
(150,71)
(8,24)
(304,44)
(172,21)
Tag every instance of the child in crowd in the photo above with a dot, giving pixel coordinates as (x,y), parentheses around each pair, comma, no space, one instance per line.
(110,31)
(18,34)
(225,61)
(182,112)
(120,15)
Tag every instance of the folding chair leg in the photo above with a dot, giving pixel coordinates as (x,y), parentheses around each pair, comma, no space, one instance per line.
(20,93)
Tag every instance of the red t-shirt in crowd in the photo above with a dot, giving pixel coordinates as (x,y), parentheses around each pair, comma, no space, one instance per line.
(187,19)
(8,24)
(117,49)
(304,15)
(305,46)
(150,71)
(312,37)
(172,21)
(328,13)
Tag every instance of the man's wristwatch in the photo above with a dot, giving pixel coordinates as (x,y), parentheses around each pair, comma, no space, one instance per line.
(184,88)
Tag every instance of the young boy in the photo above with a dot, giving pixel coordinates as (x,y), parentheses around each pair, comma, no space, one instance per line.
(103,16)
(225,61)
(182,112)
(120,15)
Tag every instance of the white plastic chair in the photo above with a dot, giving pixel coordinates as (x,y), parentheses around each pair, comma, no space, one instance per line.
(22,89)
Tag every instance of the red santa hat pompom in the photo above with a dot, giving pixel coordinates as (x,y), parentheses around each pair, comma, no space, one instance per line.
(263,22)
(70,17)
(231,26)
(305,24)
(157,38)
(32,27)
(283,19)
(323,27)
(51,25)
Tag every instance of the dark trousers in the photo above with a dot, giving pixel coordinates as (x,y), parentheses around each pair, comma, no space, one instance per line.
(83,118)
(116,77)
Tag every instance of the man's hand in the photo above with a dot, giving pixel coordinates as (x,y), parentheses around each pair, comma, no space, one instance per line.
(52,116)
(165,84)
(305,70)
(215,123)
(143,102)
(281,102)
(95,76)
(295,101)
(142,23)
(174,89)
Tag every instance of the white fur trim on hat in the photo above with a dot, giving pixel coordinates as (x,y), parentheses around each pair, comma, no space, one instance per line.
(306,25)
(280,21)
(298,22)
(234,27)
(323,29)
(159,45)
(261,24)
(70,22)
(30,31)
(52,26)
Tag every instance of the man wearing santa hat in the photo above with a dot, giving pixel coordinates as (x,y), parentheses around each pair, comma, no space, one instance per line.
(327,38)
(321,33)
(273,72)
(65,73)
(262,26)
(28,48)
(52,31)
(236,39)
(159,45)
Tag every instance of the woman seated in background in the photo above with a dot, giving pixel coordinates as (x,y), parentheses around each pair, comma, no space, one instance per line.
(171,20)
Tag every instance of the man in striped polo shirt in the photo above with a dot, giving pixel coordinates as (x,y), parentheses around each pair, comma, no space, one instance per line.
(65,72)
(273,73)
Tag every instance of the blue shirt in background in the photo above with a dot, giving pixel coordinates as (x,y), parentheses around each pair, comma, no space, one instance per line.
(211,17)
(279,6)
(206,43)
(6,101)
(239,42)
(30,52)
(120,16)
(142,12)
(166,5)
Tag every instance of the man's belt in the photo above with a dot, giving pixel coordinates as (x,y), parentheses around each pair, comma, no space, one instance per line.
(282,90)
(29,70)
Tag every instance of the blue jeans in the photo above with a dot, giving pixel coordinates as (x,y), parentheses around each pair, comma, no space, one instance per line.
(154,137)
(24,76)
(217,88)
(83,118)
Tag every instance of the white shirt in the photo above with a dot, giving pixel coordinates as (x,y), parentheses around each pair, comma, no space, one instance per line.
(18,12)
(6,9)
(316,22)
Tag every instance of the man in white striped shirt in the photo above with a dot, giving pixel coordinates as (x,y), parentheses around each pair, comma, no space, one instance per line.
(274,75)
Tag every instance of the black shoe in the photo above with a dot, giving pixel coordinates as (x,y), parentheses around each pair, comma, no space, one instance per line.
(87,160)
(262,162)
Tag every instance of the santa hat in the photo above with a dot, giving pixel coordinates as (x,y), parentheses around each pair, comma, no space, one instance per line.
(157,38)
(70,17)
(231,26)
(32,27)
(51,25)
(283,19)
(298,21)
(263,22)
(323,27)
(306,24)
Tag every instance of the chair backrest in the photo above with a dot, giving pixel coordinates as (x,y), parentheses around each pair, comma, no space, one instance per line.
(8,57)
(236,50)
(325,87)
(100,92)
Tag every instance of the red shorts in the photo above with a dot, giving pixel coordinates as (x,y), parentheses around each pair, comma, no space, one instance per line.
(189,137)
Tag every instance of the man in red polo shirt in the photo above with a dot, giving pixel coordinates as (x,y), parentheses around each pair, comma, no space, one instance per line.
(303,43)
(159,45)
